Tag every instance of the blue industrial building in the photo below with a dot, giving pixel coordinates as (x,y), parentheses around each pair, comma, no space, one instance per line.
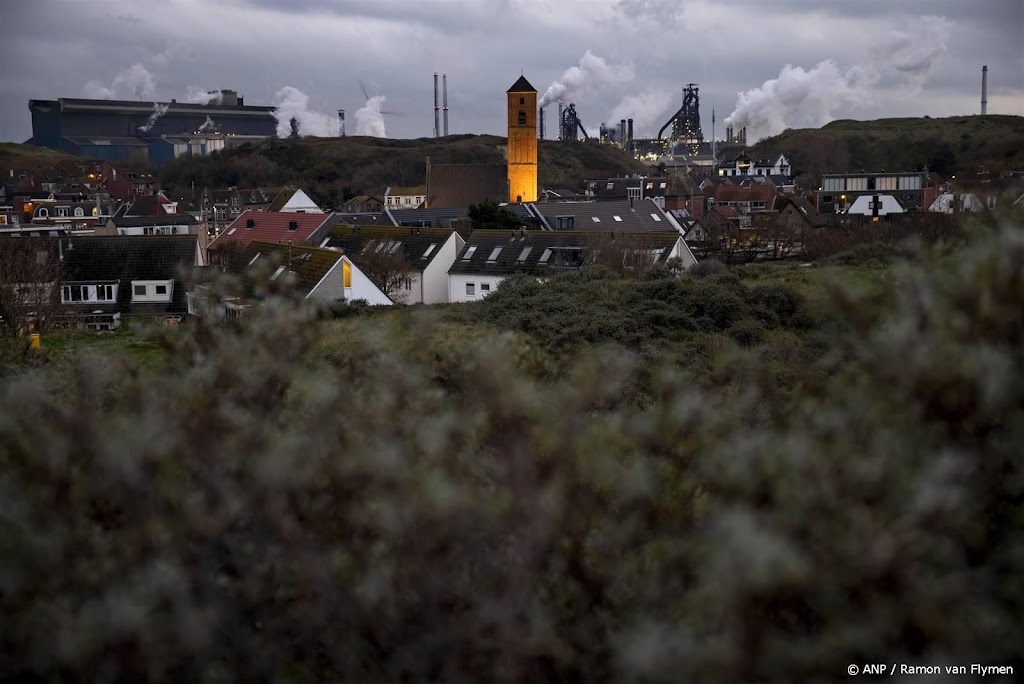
(120,130)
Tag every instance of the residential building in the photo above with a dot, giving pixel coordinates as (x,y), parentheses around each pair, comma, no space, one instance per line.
(274,226)
(490,256)
(363,204)
(405,198)
(409,264)
(914,190)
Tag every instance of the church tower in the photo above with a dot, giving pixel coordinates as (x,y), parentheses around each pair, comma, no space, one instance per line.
(522,142)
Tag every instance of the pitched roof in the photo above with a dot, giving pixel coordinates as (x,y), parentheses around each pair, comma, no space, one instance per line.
(282,199)
(307,265)
(270,226)
(166,220)
(755,192)
(420,245)
(617,215)
(521,86)
(542,252)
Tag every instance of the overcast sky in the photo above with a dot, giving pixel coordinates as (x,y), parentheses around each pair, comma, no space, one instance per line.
(791,63)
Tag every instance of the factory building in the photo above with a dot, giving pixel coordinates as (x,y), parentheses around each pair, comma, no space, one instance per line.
(522,142)
(118,130)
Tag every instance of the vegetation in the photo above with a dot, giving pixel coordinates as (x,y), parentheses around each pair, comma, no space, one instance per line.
(489,214)
(755,473)
(334,169)
(947,146)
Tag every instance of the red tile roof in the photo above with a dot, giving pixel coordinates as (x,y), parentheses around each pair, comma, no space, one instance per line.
(269,226)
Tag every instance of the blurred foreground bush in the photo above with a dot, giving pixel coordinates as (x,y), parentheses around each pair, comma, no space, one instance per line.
(403,498)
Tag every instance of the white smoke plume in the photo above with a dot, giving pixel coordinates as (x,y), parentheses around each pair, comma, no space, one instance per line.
(592,73)
(369,119)
(158,111)
(207,125)
(135,81)
(799,98)
(291,103)
(646,110)
(200,95)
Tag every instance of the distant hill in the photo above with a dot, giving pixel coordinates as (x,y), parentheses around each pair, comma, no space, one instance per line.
(332,169)
(958,144)
(28,157)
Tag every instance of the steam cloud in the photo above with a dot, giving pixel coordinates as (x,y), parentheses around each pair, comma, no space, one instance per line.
(808,98)
(291,103)
(158,111)
(369,119)
(646,110)
(207,125)
(199,95)
(133,81)
(592,73)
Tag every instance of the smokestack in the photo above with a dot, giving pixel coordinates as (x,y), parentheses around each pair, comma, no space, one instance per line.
(341,118)
(541,117)
(444,82)
(984,90)
(622,132)
(437,110)
(629,129)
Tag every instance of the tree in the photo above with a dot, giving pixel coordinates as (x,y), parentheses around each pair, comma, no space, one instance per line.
(627,254)
(489,214)
(384,262)
(30,284)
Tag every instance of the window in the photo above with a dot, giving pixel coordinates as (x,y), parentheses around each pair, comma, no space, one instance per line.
(346,270)
(79,213)
(655,217)
(429,250)
(62,212)
(617,218)
(494,255)
(525,253)
(545,256)
(522,100)
(152,290)
(43,212)
(595,219)
(522,118)
(279,271)
(485,287)
(469,253)
(470,289)
(565,222)
(611,186)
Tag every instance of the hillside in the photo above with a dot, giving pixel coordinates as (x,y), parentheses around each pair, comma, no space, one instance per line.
(28,157)
(946,146)
(332,169)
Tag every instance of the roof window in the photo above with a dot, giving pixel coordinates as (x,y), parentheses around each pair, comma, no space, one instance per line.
(494,255)
(469,253)
(655,217)
(429,250)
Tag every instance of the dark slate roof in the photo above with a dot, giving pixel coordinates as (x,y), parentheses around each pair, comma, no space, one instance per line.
(415,243)
(270,226)
(428,218)
(522,86)
(124,259)
(617,188)
(359,219)
(549,251)
(307,265)
(609,215)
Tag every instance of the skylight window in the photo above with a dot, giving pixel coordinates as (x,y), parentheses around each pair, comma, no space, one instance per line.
(655,217)
(429,250)
(525,253)
(545,256)
(595,219)
(394,247)
(253,260)
(494,254)
(279,271)
(611,186)
(617,218)
(469,253)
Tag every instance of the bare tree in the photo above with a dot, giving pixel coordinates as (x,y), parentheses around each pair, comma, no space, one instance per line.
(30,284)
(626,253)
(384,262)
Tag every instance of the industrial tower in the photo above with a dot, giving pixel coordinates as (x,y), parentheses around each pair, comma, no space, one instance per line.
(522,142)
(686,122)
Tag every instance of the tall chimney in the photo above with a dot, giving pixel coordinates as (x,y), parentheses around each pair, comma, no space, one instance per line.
(341,118)
(444,82)
(560,109)
(437,110)
(541,117)
(622,132)
(629,129)
(984,90)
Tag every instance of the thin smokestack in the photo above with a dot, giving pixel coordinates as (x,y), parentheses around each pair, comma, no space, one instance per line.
(341,120)
(437,110)
(444,81)
(984,90)
(629,129)
(622,132)
(541,117)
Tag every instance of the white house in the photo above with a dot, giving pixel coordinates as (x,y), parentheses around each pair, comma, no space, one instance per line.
(865,205)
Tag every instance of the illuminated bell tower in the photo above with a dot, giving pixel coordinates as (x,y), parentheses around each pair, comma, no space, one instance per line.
(522,142)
